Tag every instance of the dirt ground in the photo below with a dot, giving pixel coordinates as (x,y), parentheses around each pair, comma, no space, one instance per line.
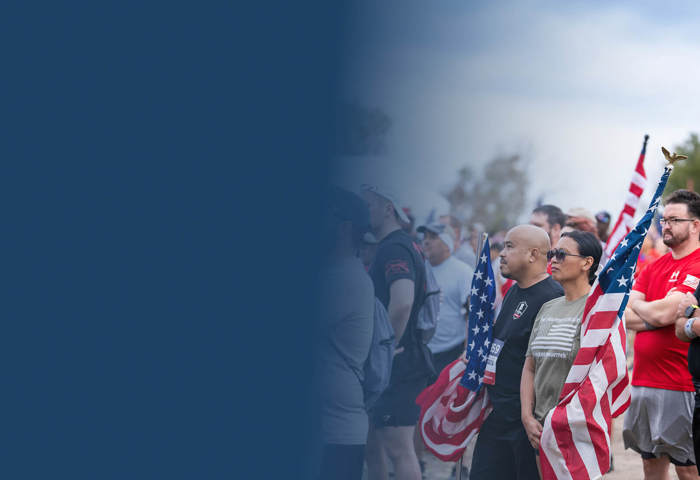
(627,464)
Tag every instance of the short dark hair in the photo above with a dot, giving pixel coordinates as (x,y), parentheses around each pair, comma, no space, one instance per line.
(588,246)
(554,214)
(687,197)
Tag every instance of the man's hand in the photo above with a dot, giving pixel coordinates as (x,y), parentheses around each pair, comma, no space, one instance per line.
(687,300)
(533,430)
(672,158)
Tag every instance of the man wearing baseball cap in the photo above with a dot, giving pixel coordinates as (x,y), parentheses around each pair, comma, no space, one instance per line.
(454,278)
(399,277)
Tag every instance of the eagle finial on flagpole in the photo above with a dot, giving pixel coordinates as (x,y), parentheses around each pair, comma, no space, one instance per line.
(670,158)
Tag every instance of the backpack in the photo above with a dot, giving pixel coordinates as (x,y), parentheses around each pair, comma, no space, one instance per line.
(377,367)
(430,310)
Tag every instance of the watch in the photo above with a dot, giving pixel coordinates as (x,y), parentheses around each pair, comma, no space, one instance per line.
(689,311)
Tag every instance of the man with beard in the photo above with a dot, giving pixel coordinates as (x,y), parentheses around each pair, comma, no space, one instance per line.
(658,423)
(502,449)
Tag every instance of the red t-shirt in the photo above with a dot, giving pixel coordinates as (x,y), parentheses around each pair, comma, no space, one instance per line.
(660,359)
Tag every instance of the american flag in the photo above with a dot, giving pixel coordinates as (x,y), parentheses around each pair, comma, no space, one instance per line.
(456,405)
(624,221)
(575,442)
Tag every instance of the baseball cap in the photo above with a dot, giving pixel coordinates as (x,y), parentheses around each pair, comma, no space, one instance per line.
(603,216)
(389,195)
(444,232)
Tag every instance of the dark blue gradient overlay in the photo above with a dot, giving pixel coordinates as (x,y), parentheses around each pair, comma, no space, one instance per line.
(163,167)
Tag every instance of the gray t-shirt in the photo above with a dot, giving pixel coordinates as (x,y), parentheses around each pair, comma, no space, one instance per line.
(554,343)
(347,313)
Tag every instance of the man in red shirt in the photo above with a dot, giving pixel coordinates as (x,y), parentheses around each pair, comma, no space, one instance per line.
(658,423)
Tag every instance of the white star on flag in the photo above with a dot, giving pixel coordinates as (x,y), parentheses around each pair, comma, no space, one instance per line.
(622,281)
(481,315)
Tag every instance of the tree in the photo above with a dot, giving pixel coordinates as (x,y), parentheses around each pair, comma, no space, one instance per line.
(361,130)
(494,197)
(686,173)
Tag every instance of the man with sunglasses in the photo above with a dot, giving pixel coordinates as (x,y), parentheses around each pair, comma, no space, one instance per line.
(658,423)
(502,447)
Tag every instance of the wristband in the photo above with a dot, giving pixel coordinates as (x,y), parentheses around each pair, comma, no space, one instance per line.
(649,326)
(689,329)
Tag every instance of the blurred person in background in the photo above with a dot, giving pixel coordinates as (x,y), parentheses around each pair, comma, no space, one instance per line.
(347,322)
(549,218)
(579,218)
(463,250)
(454,278)
(602,219)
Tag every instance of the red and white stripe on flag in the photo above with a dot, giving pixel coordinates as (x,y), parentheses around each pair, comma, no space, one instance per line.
(624,224)
(451,414)
(575,442)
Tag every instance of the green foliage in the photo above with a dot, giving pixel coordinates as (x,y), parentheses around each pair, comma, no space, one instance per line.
(686,173)
(361,130)
(494,197)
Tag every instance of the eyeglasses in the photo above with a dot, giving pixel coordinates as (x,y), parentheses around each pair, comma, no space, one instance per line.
(560,254)
(675,221)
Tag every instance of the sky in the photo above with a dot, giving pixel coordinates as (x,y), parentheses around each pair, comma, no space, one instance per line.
(573,87)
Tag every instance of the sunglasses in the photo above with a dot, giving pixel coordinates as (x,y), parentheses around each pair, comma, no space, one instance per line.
(560,254)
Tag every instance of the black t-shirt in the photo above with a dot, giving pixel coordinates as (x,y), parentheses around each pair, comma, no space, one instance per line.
(399,256)
(513,326)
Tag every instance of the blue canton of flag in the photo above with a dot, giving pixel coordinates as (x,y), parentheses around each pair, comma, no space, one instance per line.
(482,303)
(616,276)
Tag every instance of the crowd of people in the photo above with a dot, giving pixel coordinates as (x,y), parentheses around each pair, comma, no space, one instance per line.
(544,271)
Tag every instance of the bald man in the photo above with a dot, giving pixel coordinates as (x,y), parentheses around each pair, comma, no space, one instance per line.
(502,448)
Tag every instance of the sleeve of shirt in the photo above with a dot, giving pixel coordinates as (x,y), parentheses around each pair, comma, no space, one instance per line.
(642,281)
(533,333)
(468,276)
(689,279)
(398,264)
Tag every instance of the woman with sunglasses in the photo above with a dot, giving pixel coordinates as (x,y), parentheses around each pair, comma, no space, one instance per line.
(555,336)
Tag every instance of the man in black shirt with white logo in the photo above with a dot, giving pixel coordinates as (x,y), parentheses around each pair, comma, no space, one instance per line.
(502,448)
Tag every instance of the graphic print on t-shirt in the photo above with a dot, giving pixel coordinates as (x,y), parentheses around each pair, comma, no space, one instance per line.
(674,277)
(522,306)
(559,339)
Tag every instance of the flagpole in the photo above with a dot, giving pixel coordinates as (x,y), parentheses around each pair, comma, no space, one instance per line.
(480,246)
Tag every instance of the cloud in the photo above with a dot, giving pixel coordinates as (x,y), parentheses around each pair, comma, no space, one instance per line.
(577,87)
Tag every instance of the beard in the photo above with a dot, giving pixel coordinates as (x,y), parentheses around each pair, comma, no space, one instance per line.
(506,274)
(675,240)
